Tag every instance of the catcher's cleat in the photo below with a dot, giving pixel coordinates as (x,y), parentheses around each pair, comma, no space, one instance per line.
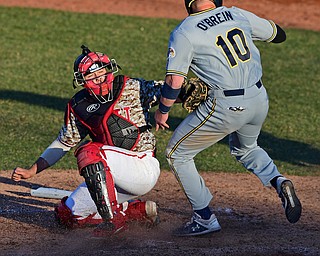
(63,214)
(133,210)
(141,211)
(198,226)
(290,201)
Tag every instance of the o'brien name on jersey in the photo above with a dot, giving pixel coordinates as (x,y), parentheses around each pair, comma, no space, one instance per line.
(214,20)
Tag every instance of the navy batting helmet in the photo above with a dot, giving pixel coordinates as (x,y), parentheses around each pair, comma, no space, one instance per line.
(188,4)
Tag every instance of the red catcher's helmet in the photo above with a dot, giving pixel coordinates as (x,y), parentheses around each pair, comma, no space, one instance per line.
(89,62)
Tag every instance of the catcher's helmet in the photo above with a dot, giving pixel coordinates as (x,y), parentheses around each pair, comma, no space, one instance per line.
(90,62)
(188,4)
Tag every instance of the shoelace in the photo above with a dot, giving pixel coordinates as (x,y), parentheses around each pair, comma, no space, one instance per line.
(193,218)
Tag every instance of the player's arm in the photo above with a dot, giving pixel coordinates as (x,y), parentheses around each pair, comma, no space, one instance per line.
(179,57)
(48,158)
(263,29)
(280,35)
(169,94)
(69,136)
(150,92)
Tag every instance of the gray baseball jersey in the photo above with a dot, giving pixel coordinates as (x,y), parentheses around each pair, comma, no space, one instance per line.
(217,45)
(214,44)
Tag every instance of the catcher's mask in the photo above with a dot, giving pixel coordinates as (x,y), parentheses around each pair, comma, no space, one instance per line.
(95,72)
(188,4)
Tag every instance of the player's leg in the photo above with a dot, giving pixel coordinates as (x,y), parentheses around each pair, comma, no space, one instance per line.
(78,209)
(135,174)
(93,167)
(243,145)
(198,131)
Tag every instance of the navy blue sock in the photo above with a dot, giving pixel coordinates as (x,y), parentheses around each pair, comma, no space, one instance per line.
(273,182)
(205,213)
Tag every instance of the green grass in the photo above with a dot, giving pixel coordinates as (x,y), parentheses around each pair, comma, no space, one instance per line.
(38,47)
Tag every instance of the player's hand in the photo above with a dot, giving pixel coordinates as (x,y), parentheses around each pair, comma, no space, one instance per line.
(22,174)
(161,120)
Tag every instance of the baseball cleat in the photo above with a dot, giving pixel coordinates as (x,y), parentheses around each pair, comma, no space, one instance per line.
(142,211)
(290,201)
(198,226)
(152,216)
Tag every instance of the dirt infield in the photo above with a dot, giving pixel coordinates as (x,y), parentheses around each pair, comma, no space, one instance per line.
(251,216)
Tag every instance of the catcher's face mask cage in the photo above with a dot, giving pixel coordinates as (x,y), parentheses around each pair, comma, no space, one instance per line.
(95,72)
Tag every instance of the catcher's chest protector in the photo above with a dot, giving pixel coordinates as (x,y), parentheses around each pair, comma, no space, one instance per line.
(105,124)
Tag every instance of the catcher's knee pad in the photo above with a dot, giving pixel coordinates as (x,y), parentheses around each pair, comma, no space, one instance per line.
(101,187)
(89,153)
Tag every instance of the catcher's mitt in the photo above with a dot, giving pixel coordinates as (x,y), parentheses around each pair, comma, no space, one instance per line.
(193,92)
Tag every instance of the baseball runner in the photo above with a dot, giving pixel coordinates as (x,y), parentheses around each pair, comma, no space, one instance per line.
(118,163)
(217,44)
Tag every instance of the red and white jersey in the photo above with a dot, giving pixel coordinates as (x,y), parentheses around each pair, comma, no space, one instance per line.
(123,123)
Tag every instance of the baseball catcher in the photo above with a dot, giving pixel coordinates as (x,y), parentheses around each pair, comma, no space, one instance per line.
(118,163)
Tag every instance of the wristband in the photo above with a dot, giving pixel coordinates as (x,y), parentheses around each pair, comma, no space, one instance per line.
(41,164)
(168,92)
(163,108)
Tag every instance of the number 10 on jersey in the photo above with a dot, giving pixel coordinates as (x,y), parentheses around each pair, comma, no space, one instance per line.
(239,49)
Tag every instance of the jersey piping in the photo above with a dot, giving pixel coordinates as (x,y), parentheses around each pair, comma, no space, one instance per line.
(274,31)
(193,130)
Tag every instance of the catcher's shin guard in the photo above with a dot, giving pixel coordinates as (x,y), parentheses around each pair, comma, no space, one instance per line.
(101,187)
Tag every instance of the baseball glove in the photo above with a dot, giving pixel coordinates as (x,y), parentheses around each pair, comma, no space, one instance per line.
(193,92)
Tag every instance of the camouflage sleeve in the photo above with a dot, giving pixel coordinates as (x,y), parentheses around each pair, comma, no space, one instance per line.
(72,132)
(150,92)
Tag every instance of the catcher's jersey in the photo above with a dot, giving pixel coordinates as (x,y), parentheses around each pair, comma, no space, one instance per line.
(217,45)
(91,118)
